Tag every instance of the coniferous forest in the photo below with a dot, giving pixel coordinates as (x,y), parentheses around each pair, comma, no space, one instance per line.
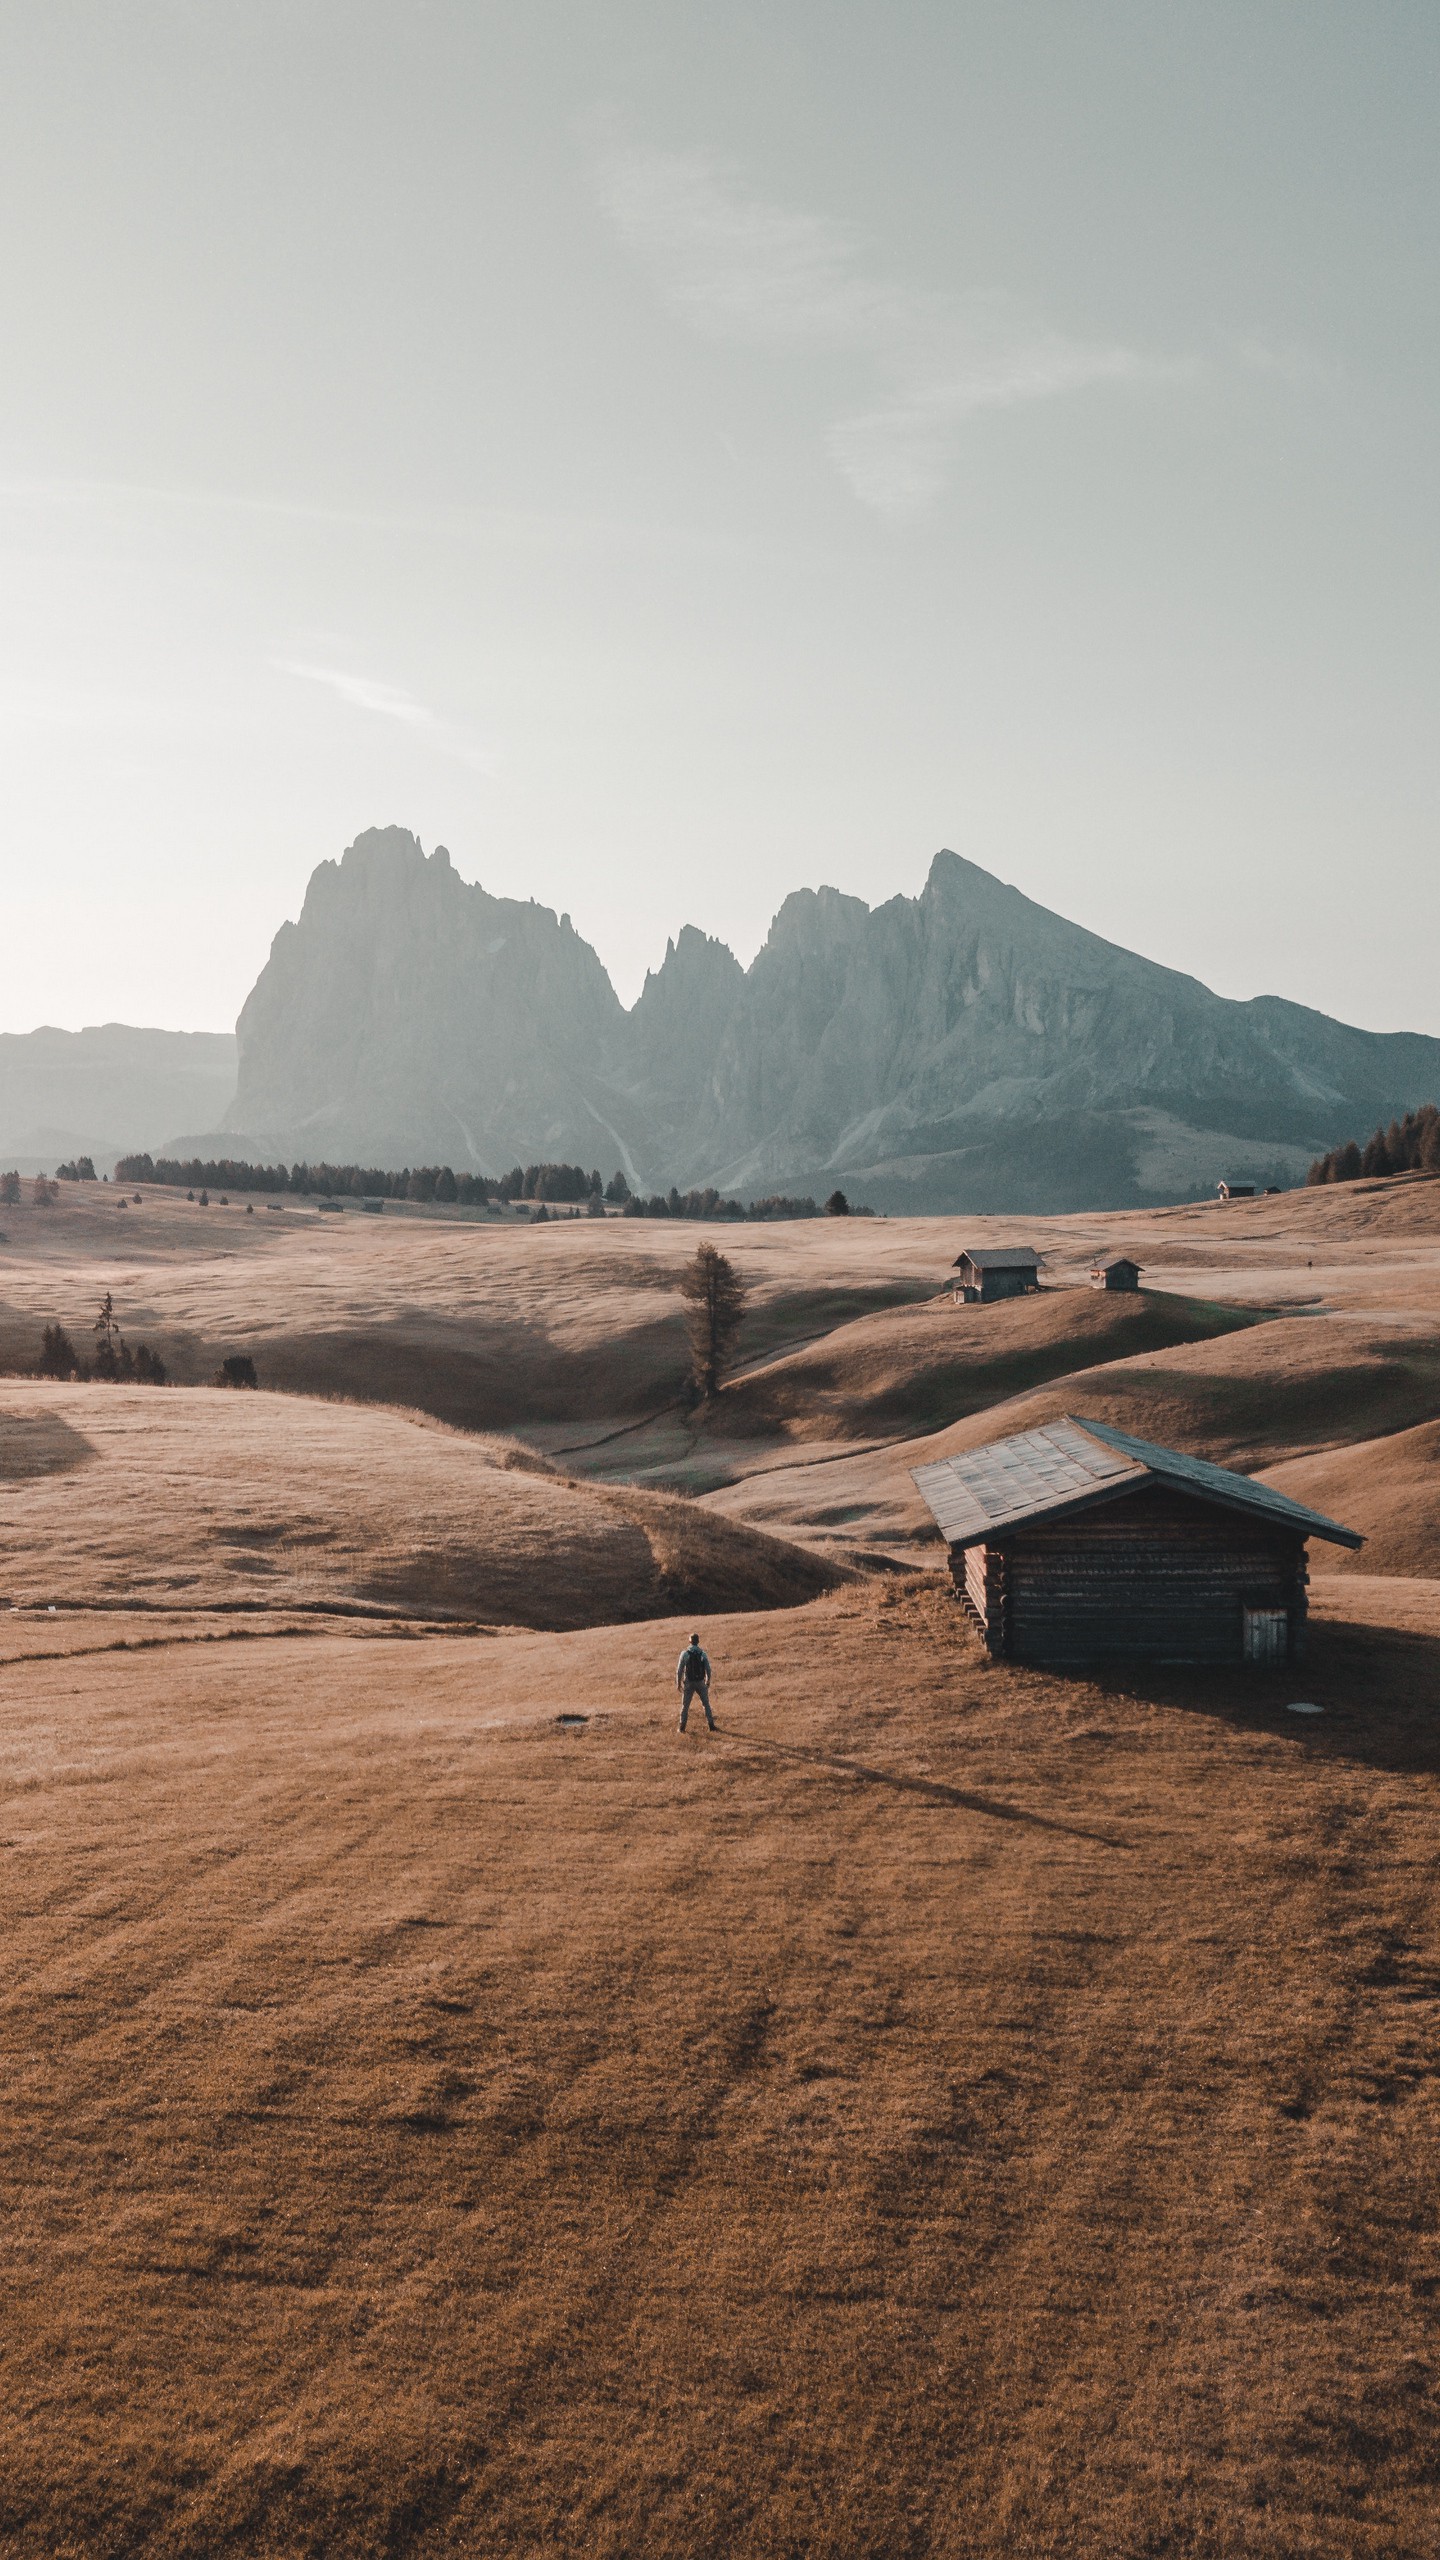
(1411,1145)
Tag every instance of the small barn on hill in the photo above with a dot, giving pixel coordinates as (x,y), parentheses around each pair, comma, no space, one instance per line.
(995,1271)
(1235,1190)
(1075,1542)
(1122,1273)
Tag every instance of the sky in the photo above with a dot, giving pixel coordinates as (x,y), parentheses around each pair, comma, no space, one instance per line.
(674,455)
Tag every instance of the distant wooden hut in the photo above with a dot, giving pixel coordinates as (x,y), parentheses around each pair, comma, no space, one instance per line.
(1075,1542)
(995,1271)
(1122,1273)
(1235,1190)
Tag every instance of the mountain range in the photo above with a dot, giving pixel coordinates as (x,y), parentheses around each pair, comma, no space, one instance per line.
(965,1048)
(962,1048)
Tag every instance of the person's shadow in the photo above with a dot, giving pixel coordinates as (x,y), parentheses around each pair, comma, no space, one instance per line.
(936,1790)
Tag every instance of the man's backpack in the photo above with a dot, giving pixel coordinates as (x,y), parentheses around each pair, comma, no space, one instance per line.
(696,1666)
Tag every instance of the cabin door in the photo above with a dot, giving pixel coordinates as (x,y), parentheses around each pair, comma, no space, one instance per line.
(1267,1635)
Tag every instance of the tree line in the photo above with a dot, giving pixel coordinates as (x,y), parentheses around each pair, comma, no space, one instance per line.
(1411,1145)
(112,1360)
(546,1185)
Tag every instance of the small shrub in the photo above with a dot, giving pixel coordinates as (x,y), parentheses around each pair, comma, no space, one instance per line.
(237,1371)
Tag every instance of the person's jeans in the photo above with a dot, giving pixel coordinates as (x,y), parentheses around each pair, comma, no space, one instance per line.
(696,1689)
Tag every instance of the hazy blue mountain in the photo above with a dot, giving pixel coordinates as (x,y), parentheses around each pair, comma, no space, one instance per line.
(969,1046)
(965,1047)
(107,1091)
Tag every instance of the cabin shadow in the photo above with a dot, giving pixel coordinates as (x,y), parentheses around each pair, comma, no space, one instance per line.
(1377,1688)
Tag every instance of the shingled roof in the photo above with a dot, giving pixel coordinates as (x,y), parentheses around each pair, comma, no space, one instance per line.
(1070,1466)
(1000,1257)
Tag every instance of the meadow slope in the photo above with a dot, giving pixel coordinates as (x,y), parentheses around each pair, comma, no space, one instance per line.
(205,1500)
(950,2112)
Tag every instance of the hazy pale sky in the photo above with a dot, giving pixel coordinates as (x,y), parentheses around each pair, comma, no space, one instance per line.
(673,454)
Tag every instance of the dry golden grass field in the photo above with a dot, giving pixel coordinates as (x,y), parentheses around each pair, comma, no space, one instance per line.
(951,2111)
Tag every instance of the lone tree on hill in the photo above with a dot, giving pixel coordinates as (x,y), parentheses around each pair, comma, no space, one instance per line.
(714,1296)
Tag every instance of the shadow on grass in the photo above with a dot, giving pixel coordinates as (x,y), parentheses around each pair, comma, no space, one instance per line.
(40,1444)
(935,1790)
(1378,1689)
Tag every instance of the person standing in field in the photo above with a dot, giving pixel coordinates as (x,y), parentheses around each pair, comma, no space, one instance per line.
(692,1679)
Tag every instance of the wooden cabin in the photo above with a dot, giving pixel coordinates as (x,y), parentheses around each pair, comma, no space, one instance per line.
(1076,1542)
(1122,1273)
(1235,1190)
(995,1271)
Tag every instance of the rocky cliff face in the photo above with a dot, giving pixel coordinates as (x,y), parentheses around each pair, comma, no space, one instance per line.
(963,1048)
(409,1017)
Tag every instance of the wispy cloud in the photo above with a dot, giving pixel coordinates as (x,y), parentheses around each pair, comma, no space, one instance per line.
(734,267)
(367,693)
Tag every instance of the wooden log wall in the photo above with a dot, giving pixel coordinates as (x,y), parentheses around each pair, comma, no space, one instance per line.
(1156,1576)
(980,1576)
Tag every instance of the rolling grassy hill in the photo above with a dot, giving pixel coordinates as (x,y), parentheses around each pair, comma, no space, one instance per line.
(128,1497)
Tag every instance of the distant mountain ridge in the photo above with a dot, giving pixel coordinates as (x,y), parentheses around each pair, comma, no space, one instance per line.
(104,1091)
(962,1048)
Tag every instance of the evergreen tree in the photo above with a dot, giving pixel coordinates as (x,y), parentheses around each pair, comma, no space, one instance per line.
(109,1342)
(714,1296)
(57,1353)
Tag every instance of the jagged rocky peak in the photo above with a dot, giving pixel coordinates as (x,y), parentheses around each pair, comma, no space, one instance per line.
(961,1045)
(697,964)
(813,918)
